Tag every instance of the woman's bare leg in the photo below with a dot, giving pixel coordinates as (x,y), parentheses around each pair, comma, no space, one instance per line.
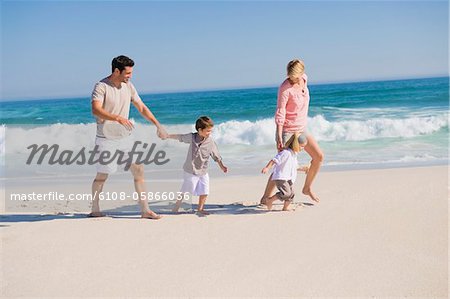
(313,149)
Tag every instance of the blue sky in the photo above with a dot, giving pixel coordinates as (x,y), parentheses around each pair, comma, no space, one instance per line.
(60,49)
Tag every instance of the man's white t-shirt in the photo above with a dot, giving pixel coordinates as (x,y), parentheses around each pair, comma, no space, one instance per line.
(116,101)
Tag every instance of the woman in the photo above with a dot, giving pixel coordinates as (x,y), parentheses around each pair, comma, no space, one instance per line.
(291,117)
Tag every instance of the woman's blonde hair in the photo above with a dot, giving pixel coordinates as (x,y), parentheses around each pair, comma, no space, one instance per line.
(295,68)
(293,143)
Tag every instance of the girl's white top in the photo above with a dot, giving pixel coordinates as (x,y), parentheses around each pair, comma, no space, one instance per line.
(285,165)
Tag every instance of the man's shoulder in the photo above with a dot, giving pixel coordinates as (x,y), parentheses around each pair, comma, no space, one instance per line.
(102,83)
(130,86)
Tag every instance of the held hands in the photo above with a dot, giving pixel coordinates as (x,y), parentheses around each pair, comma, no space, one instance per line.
(280,144)
(162,133)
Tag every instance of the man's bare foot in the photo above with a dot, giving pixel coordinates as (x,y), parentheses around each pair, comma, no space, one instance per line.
(310,194)
(150,215)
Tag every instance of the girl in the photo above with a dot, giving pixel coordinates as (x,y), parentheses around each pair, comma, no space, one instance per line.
(285,171)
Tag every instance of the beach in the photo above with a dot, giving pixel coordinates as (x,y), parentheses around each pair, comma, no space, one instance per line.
(375,233)
(203,97)
(380,230)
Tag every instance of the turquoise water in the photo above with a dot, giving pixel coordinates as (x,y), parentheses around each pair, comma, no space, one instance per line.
(402,121)
(333,101)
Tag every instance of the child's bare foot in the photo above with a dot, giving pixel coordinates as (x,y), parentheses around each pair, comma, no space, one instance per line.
(269,203)
(203,212)
(310,194)
(150,215)
(286,205)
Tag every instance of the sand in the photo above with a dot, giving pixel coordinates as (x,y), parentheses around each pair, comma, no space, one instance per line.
(375,233)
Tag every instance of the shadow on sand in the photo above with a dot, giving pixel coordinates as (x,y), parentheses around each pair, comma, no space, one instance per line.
(133,212)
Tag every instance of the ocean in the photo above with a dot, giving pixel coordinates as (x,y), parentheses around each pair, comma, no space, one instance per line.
(357,125)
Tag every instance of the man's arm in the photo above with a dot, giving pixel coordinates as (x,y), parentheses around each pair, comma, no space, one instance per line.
(148,115)
(98,111)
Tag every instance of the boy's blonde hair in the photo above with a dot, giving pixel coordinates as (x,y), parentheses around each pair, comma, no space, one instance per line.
(204,122)
(295,68)
(293,143)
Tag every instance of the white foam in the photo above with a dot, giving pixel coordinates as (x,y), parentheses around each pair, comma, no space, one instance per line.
(246,132)
(374,128)
(243,143)
(260,132)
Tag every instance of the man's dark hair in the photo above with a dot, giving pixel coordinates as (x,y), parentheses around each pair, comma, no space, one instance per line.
(120,62)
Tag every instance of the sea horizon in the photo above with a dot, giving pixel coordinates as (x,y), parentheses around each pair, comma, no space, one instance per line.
(231,88)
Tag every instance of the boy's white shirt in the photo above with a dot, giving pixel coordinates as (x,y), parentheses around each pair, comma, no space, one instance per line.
(286,165)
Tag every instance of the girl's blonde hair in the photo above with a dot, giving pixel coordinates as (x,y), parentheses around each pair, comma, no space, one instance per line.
(295,68)
(293,143)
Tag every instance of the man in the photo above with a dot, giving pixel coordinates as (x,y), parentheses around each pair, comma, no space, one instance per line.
(111,100)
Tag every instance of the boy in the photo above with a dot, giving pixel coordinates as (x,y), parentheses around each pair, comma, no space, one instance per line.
(202,146)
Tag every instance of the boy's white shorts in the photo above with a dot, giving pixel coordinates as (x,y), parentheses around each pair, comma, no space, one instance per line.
(112,145)
(195,184)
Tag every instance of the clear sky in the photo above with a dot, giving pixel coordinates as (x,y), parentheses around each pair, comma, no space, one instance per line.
(60,49)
